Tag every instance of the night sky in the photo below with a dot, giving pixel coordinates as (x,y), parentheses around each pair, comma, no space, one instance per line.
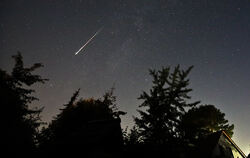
(212,35)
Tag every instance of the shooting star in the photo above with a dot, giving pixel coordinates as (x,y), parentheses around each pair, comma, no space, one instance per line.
(97,32)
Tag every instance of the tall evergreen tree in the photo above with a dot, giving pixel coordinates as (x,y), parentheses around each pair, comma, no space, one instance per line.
(19,122)
(165,105)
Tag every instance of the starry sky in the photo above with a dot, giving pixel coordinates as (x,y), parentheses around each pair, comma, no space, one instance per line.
(136,35)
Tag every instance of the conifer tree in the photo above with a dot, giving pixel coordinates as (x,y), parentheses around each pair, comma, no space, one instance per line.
(19,122)
(164,105)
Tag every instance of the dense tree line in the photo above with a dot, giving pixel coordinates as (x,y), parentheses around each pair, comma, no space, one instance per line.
(167,117)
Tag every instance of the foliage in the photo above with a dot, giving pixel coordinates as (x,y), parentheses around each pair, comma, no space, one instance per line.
(73,119)
(163,118)
(165,105)
(132,137)
(21,122)
(202,120)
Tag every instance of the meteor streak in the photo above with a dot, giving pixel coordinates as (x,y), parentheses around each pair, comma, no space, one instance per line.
(97,32)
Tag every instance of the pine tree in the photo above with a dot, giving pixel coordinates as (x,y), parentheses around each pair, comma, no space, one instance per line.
(19,122)
(165,105)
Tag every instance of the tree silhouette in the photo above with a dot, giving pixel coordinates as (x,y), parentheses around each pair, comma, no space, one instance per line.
(165,104)
(132,137)
(86,124)
(202,120)
(19,122)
